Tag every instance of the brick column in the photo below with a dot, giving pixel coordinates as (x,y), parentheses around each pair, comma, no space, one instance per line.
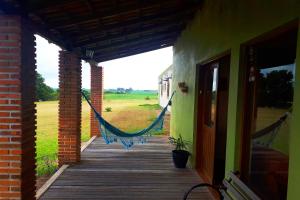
(96,96)
(69,108)
(17,109)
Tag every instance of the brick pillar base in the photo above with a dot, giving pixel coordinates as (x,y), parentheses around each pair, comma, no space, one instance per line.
(17,109)
(96,96)
(69,108)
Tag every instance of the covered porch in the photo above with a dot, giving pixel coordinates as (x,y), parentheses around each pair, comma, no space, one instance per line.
(220,50)
(111,172)
(94,31)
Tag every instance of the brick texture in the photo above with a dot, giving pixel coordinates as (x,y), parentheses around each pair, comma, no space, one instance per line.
(17,109)
(96,96)
(69,108)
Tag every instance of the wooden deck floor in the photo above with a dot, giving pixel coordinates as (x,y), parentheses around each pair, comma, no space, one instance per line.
(111,172)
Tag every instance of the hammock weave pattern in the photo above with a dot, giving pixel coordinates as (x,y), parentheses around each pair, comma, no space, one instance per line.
(112,134)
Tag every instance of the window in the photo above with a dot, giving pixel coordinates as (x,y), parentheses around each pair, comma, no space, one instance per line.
(269,97)
(211,95)
(168,88)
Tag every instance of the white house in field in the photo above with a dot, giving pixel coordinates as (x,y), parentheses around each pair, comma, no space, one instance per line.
(165,87)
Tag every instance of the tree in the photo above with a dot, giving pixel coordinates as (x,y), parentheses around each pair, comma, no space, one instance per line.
(276,89)
(43,91)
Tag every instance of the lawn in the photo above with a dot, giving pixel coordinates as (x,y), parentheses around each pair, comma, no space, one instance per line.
(130,112)
(132,96)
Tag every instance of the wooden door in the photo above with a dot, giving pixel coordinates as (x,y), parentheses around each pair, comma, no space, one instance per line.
(207,110)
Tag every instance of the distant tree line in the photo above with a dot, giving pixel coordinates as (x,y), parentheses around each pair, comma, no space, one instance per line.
(47,93)
(127,91)
(119,91)
(276,89)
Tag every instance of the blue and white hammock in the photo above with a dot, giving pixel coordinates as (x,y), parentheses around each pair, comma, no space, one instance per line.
(112,134)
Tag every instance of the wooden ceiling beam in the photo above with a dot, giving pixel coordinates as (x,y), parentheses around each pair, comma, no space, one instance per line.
(165,20)
(17,8)
(147,25)
(137,42)
(98,58)
(129,48)
(127,35)
(98,14)
(81,20)
(36,5)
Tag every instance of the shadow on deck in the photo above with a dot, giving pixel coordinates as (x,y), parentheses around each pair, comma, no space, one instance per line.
(111,172)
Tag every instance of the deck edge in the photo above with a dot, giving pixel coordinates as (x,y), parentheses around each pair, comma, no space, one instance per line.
(50,181)
(53,178)
(83,147)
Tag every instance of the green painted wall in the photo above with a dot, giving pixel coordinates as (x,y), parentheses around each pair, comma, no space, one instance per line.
(223,26)
(294,163)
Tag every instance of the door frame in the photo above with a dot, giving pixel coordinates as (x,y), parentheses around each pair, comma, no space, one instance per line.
(197,118)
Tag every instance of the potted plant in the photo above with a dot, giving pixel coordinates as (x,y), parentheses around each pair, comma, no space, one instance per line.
(180,155)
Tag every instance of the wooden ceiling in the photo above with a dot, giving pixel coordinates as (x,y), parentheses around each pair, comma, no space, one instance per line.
(109,29)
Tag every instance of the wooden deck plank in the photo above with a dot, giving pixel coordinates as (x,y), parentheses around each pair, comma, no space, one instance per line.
(111,172)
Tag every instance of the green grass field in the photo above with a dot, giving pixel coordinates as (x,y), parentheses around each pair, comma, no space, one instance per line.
(131,96)
(125,109)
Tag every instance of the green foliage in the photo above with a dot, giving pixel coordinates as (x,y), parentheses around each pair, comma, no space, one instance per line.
(87,93)
(47,164)
(43,91)
(147,98)
(276,89)
(180,143)
(108,109)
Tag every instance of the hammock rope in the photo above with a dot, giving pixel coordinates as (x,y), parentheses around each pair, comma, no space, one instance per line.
(112,134)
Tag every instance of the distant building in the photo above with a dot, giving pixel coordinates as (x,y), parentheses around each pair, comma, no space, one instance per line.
(165,87)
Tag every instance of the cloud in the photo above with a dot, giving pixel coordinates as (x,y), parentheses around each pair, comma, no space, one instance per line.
(139,72)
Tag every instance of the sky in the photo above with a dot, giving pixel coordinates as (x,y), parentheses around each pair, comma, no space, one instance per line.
(138,72)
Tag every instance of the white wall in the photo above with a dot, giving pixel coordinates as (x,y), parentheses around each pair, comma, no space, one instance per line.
(165,84)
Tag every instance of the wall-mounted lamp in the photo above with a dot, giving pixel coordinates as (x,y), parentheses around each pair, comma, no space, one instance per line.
(183,87)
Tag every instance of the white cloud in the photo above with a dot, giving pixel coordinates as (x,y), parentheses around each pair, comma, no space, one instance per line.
(138,72)
(47,61)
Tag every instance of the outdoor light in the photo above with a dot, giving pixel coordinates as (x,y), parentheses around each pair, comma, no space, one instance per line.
(89,53)
(167,78)
(183,87)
